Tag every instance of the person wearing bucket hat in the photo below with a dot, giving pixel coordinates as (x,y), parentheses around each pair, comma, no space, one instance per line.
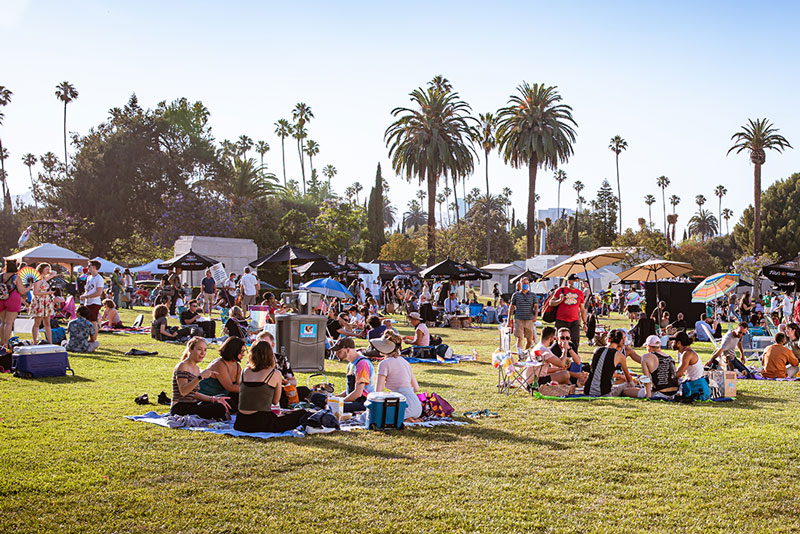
(659,378)
(395,373)
(421,337)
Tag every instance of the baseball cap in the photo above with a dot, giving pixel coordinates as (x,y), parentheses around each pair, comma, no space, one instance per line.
(343,343)
(573,276)
(653,341)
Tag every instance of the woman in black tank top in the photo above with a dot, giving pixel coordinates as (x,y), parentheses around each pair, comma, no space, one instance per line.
(600,382)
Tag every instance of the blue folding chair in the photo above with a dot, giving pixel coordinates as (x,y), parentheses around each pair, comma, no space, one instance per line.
(476,313)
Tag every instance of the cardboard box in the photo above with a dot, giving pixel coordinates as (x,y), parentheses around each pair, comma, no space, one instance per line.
(336,405)
(722,383)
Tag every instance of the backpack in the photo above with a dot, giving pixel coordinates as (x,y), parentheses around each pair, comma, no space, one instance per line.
(443,351)
(6,288)
(435,340)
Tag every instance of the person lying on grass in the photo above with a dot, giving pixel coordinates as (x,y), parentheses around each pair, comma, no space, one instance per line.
(110,317)
(554,368)
(228,370)
(395,373)
(283,365)
(360,378)
(186,377)
(600,382)
(259,391)
(659,378)
(779,360)
(692,365)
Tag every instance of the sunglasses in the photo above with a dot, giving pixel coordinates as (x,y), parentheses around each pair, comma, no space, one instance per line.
(565,338)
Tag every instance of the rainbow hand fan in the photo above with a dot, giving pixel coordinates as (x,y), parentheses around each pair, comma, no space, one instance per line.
(29,275)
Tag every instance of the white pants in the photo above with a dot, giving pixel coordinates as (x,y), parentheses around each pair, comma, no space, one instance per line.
(414,408)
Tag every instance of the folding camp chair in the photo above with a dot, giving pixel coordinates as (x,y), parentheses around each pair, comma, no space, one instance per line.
(476,313)
(511,375)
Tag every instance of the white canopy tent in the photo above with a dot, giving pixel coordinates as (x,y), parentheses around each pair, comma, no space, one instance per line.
(107,266)
(150,267)
(50,253)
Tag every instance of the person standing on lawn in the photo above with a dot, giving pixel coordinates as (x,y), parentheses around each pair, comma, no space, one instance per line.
(209,287)
(571,312)
(117,286)
(93,295)
(522,314)
(249,284)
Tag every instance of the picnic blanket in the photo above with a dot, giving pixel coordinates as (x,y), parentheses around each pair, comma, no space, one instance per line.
(226,427)
(454,359)
(756,375)
(579,396)
(125,330)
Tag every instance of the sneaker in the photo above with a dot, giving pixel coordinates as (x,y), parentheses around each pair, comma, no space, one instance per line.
(319,430)
(142,399)
(163,399)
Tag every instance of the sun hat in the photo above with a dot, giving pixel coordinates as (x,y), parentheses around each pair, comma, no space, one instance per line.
(653,341)
(415,315)
(384,346)
(343,343)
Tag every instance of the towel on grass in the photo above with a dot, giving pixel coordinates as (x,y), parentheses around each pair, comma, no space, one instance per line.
(125,330)
(193,422)
(756,375)
(579,396)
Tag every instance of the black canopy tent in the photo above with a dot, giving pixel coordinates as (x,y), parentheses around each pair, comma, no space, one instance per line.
(319,268)
(453,270)
(287,254)
(785,273)
(189,261)
(391,268)
(532,276)
(352,268)
(480,273)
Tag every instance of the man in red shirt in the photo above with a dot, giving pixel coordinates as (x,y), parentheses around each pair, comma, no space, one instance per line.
(571,311)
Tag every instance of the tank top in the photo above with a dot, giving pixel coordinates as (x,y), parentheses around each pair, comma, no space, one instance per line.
(696,370)
(664,377)
(256,396)
(601,373)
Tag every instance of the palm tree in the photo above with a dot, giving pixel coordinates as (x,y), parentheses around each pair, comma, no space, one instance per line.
(29,160)
(243,145)
(703,224)
(67,93)
(301,114)
(674,200)
(535,130)
(389,213)
(578,187)
(727,213)
(446,192)
(440,83)
(329,171)
(357,187)
(262,147)
(429,142)
(756,137)
(699,200)
(312,149)
(4,155)
(663,183)
(420,196)
(560,177)
(618,144)
(414,216)
(672,220)
(720,192)
(283,130)
(228,149)
(484,135)
(440,199)
(5,99)
(650,200)
(244,178)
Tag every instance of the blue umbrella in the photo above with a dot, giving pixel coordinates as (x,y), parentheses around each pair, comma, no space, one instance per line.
(328,287)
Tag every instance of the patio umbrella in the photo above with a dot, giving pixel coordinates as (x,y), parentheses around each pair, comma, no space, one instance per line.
(451,270)
(288,253)
(715,286)
(654,270)
(319,268)
(328,287)
(584,262)
(530,275)
(189,261)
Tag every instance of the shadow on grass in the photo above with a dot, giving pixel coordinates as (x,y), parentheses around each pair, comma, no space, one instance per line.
(445,371)
(454,433)
(324,442)
(63,379)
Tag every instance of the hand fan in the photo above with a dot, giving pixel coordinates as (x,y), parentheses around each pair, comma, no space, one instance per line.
(29,275)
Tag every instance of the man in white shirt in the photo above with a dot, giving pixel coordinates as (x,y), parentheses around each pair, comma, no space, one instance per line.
(787,309)
(93,295)
(249,285)
(451,304)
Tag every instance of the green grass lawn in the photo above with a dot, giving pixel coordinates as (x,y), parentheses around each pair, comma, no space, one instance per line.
(70,462)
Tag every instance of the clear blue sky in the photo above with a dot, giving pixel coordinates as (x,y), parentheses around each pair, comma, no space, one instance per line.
(676,80)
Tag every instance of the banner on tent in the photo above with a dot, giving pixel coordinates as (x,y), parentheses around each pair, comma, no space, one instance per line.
(218,273)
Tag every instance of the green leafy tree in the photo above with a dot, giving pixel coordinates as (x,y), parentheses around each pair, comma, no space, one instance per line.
(617,145)
(283,129)
(430,141)
(375,221)
(695,252)
(66,93)
(749,267)
(340,229)
(604,216)
(389,213)
(535,130)
(399,247)
(756,137)
(646,244)
(295,228)
(780,223)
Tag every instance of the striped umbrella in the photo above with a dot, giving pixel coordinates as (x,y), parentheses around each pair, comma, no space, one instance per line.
(715,286)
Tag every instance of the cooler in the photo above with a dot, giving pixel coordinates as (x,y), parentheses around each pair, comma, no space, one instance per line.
(41,360)
(301,338)
(385,410)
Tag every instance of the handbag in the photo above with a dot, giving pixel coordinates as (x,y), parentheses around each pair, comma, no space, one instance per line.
(549,312)
(434,405)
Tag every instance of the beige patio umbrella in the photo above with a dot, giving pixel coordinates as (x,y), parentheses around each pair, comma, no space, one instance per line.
(585,262)
(655,270)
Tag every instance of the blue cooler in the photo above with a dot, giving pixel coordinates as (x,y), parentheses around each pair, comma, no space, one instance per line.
(385,410)
(37,361)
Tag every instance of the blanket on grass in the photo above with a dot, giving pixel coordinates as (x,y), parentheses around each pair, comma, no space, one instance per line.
(579,396)
(756,375)
(226,427)
(455,359)
(125,330)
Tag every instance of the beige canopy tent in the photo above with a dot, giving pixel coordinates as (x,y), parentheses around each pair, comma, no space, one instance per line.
(50,253)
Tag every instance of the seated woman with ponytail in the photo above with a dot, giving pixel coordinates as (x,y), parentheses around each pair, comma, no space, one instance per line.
(186,396)
(395,373)
(259,390)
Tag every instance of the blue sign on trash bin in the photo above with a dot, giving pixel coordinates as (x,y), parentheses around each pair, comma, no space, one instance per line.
(308,330)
